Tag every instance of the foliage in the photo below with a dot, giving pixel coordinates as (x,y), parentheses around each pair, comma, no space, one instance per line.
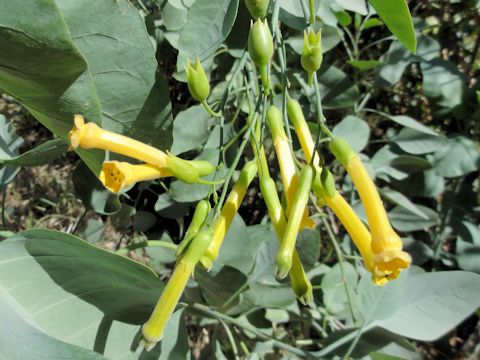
(393,85)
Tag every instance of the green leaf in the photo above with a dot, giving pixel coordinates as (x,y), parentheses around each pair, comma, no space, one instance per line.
(411,123)
(468,246)
(371,23)
(92,193)
(417,143)
(238,246)
(78,293)
(190,129)
(20,339)
(420,252)
(433,304)
(443,84)
(343,18)
(40,155)
(355,130)
(308,247)
(427,184)
(208,24)
(460,156)
(401,200)
(91,58)
(223,288)
(335,286)
(396,16)
(365,65)
(9,145)
(337,90)
(405,220)
(358,6)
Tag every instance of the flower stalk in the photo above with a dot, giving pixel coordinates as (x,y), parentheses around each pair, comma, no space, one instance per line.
(152,330)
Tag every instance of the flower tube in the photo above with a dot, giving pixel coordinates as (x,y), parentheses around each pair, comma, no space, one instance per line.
(91,136)
(116,175)
(300,283)
(153,329)
(388,258)
(229,209)
(344,212)
(285,161)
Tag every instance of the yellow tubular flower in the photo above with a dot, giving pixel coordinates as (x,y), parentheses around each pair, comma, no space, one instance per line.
(388,258)
(300,283)
(285,254)
(116,175)
(354,226)
(91,136)
(152,330)
(285,161)
(229,209)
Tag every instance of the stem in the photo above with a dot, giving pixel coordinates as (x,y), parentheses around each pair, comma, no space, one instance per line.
(143,244)
(311,4)
(234,164)
(213,314)
(4,220)
(361,328)
(210,110)
(231,340)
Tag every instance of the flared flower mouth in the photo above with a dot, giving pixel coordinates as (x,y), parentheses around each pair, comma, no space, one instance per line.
(388,265)
(112,176)
(76,133)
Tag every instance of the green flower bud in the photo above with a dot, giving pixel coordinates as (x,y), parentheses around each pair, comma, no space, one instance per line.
(260,47)
(257,8)
(197,81)
(311,58)
(328,182)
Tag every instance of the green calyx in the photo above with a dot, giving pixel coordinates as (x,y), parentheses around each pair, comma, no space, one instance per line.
(187,170)
(197,80)
(257,8)
(260,43)
(328,182)
(275,122)
(201,212)
(198,246)
(260,47)
(312,56)
(203,167)
(295,113)
(342,150)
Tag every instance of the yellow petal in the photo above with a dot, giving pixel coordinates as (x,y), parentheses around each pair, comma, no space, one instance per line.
(116,175)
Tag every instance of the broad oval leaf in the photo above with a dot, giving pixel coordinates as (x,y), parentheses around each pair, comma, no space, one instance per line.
(417,143)
(208,23)
(460,156)
(433,304)
(355,130)
(89,57)
(17,331)
(77,292)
